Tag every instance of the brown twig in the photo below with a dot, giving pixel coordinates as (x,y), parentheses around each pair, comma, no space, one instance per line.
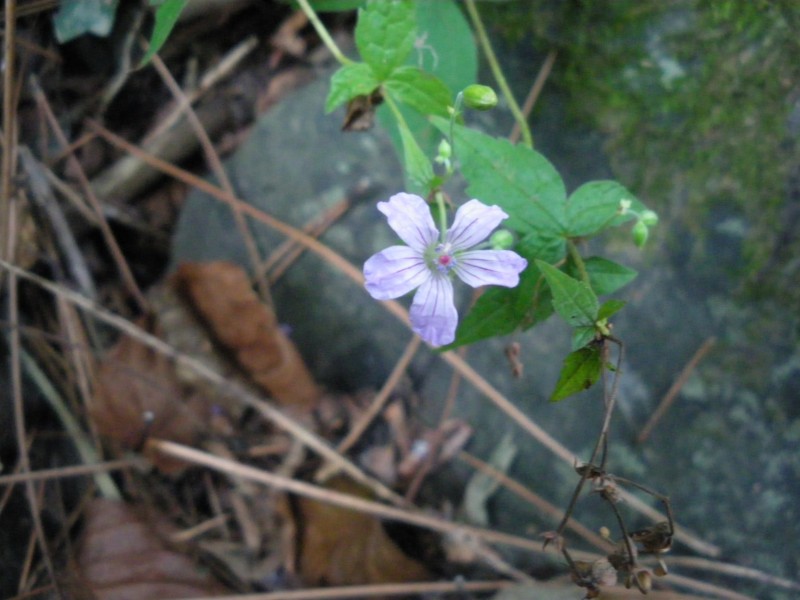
(543,505)
(675,389)
(119,259)
(75,471)
(381,397)
(533,94)
(215,164)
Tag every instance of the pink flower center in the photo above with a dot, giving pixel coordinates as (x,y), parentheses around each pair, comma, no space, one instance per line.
(444,260)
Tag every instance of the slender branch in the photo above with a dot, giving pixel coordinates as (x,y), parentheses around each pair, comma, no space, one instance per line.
(323,34)
(494,65)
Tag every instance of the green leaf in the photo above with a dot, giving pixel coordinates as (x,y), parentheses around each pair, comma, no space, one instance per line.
(166,16)
(419,172)
(609,308)
(581,370)
(594,206)
(605,275)
(517,179)
(573,300)
(385,34)
(582,336)
(349,82)
(421,91)
(500,310)
(445,45)
(76,17)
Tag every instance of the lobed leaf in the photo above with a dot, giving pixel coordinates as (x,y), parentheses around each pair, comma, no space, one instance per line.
(605,276)
(348,82)
(517,179)
(573,300)
(385,34)
(595,205)
(422,91)
(581,370)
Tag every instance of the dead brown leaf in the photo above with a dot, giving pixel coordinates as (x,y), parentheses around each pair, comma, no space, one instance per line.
(137,395)
(121,557)
(338,546)
(221,293)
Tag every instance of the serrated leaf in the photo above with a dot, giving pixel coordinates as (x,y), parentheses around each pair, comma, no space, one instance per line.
(573,300)
(581,370)
(605,276)
(76,17)
(349,82)
(594,206)
(445,45)
(167,15)
(582,336)
(419,172)
(385,34)
(517,179)
(609,308)
(421,91)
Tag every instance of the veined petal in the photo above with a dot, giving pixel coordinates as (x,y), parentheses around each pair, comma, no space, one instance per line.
(411,219)
(433,313)
(490,267)
(394,271)
(473,223)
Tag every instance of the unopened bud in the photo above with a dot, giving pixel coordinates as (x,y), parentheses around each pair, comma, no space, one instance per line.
(502,239)
(444,150)
(640,233)
(649,218)
(480,97)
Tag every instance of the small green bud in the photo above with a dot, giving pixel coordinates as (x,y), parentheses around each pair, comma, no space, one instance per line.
(445,151)
(502,239)
(624,206)
(649,218)
(640,233)
(480,97)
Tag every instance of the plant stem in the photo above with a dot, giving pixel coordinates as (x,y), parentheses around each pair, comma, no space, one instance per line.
(323,34)
(442,216)
(578,260)
(498,73)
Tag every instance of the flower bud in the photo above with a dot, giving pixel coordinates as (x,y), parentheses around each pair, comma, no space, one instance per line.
(445,151)
(640,233)
(649,218)
(480,97)
(502,239)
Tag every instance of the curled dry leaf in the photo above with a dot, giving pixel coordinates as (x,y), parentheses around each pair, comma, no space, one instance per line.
(137,395)
(121,557)
(337,546)
(221,293)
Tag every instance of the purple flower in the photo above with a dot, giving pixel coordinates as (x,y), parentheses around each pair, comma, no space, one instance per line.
(429,260)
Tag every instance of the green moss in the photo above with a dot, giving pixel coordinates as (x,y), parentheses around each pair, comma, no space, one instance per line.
(695,98)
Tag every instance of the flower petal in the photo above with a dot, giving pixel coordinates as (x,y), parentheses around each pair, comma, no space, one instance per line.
(410,217)
(490,267)
(473,223)
(433,313)
(394,271)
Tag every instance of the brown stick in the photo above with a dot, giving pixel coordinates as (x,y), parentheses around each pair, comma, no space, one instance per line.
(675,388)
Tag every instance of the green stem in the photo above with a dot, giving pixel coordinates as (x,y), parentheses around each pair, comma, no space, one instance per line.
(498,73)
(323,34)
(442,216)
(578,260)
